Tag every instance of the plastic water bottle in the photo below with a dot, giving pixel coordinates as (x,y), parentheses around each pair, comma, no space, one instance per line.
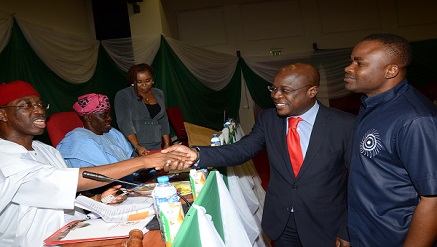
(215,140)
(168,209)
(164,192)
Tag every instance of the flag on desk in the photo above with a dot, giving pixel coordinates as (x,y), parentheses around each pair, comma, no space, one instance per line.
(226,223)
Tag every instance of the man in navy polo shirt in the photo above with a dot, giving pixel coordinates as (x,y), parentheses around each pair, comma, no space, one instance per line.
(393,173)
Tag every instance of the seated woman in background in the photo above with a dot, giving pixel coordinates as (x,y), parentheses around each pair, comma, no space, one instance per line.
(141,113)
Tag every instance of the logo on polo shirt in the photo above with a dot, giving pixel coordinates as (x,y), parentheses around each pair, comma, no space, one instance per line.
(371,143)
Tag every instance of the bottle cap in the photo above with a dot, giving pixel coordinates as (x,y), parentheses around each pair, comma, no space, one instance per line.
(162,179)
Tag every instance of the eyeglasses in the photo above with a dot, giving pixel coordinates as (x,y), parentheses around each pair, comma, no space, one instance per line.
(28,106)
(285,91)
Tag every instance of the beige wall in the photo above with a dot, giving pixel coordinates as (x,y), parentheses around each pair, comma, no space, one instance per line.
(254,27)
(149,21)
(69,16)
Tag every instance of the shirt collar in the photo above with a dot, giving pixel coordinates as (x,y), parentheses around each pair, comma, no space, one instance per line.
(310,115)
(385,96)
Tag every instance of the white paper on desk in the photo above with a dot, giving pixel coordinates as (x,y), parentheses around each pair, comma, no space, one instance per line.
(94,230)
(98,228)
(133,208)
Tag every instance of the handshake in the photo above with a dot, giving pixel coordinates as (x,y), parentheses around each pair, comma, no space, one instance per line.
(176,157)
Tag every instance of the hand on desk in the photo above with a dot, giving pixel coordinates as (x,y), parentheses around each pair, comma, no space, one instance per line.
(186,154)
(142,150)
(112,191)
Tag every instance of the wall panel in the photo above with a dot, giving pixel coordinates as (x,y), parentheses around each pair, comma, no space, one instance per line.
(271,20)
(338,16)
(202,27)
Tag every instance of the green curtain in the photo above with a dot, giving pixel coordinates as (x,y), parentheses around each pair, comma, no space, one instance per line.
(257,86)
(199,104)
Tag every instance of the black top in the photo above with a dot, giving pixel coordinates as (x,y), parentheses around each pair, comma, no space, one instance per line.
(153,109)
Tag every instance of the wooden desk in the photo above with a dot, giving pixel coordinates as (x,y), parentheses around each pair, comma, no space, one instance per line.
(151,239)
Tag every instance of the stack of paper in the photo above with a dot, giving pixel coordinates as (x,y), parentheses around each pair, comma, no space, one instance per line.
(133,208)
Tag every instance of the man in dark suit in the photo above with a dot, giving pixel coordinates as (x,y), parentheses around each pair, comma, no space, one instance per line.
(310,208)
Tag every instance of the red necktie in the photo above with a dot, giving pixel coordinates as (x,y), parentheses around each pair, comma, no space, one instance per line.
(293,143)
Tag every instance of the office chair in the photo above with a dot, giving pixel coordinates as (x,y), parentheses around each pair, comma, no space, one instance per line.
(59,124)
(176,119)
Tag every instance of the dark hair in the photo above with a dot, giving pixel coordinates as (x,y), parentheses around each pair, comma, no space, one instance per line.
(135,69)
(397,46)
(132,75)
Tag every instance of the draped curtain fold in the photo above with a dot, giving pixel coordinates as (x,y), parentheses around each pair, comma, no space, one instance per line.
(126,52)
(257,86)
(70,57)
(213,69)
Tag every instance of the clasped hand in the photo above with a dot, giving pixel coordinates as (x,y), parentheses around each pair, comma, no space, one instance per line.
(176,157)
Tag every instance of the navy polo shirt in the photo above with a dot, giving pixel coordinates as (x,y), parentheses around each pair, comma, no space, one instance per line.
(394,162)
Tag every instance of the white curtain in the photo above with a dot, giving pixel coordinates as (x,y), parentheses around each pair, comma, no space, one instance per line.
(71,57)
(129,51)
(213,69)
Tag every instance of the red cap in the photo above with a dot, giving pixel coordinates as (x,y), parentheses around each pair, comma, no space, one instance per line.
(15,90)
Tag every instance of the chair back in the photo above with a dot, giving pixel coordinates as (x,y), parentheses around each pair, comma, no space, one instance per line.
(176,119)
(59,124)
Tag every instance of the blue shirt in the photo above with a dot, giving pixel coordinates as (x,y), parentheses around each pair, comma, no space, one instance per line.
(83,148)
(394,162)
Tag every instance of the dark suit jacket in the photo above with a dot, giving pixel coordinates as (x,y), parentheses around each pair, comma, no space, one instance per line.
(318,194)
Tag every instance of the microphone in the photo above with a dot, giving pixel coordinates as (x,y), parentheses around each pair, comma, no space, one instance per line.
(103,178)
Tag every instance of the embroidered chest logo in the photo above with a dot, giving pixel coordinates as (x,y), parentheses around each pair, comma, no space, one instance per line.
(371,143)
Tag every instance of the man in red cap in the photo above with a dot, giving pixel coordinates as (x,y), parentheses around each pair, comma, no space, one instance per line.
(36,186)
